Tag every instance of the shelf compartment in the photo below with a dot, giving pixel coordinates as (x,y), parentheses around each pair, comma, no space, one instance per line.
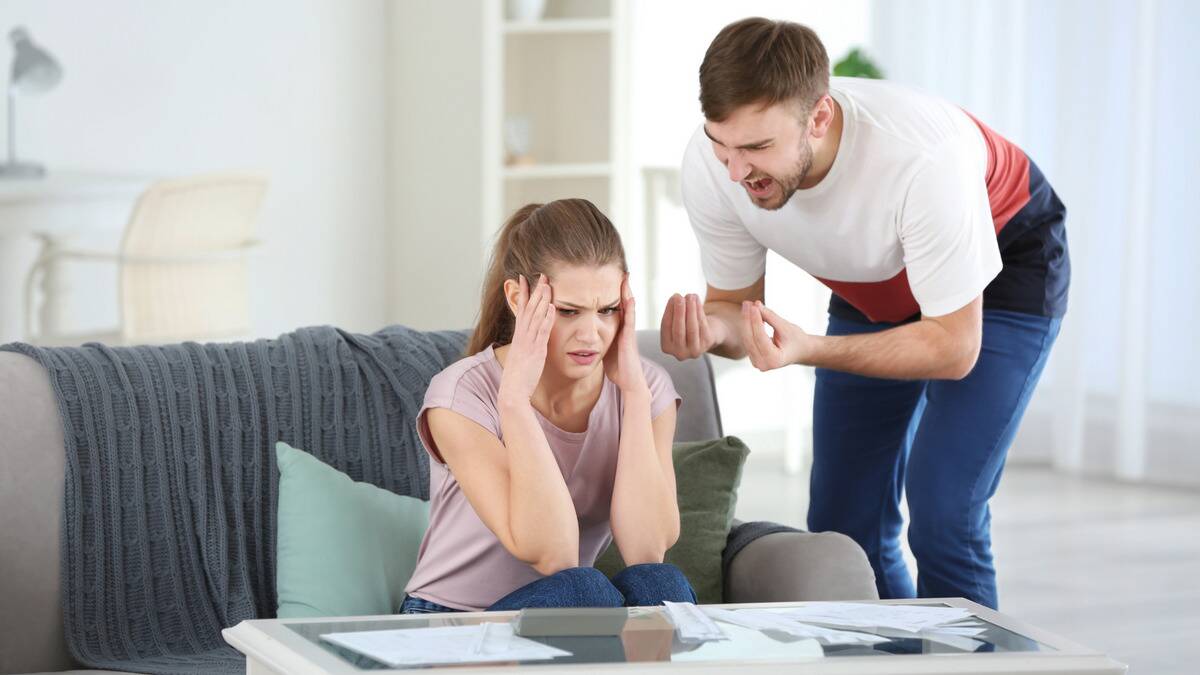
(561,85)
(558,26)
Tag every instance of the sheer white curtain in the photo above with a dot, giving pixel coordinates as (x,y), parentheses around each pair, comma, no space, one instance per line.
(1103,96)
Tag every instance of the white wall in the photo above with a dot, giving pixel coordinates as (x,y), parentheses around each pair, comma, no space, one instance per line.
(436,143)
(292,88)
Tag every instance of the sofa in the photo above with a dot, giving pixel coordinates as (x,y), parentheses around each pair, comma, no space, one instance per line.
(781,565)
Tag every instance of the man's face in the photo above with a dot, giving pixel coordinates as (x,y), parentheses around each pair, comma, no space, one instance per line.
(767,150)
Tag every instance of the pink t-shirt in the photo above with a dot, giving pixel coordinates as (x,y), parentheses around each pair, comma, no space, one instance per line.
(461,563)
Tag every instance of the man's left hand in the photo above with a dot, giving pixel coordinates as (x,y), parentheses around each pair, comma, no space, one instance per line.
(789,344)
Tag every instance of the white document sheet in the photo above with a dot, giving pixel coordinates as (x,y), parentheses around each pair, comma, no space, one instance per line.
(765,620)
(483,643)
(911,618)
(692,624)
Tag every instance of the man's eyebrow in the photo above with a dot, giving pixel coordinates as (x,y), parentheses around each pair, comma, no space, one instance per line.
(744,146)
(571,305)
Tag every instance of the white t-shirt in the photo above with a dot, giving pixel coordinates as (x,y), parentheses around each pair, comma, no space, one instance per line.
(901,223)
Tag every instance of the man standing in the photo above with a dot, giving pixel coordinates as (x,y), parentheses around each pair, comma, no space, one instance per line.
(945,250)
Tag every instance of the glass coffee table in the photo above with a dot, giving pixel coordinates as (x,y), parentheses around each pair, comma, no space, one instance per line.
(648,643)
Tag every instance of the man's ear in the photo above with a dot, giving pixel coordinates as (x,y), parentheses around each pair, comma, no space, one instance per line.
(822,116)
(512,291)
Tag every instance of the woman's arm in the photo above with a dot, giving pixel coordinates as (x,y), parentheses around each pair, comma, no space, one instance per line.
(645,512)
(515,487)
(644,515)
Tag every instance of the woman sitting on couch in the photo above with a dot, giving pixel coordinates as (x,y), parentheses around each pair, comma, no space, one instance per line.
(553,437)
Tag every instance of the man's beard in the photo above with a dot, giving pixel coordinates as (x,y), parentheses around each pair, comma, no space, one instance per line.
(790,183)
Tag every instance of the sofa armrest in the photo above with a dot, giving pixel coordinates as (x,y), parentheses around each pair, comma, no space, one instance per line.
(791,565)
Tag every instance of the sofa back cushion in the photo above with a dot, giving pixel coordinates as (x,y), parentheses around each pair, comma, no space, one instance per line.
(699,417)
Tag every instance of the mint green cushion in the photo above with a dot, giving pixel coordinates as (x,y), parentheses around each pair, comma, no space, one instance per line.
(707,474)
(343,548)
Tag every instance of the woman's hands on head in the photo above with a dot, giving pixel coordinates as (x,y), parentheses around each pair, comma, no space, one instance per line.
(622,363)
(526,357)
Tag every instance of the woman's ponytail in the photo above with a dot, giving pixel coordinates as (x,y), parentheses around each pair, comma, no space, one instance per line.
(496,321)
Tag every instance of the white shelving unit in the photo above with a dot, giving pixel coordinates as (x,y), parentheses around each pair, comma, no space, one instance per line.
(566,74)
(559,26)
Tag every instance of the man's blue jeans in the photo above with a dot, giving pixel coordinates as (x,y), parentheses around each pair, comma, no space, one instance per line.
(634,586)
(943,442)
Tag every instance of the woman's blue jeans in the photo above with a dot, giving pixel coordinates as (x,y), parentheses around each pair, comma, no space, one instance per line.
(942,442)
(634,586)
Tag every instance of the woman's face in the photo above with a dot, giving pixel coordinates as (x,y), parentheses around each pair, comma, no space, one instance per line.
(587,300)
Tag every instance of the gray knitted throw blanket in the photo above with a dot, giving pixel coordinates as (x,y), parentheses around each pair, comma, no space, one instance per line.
(171,485)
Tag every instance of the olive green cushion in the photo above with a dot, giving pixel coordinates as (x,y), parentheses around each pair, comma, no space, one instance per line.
(343,548)
(707,474)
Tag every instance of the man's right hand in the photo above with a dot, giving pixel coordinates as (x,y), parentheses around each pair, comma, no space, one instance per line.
(685,330)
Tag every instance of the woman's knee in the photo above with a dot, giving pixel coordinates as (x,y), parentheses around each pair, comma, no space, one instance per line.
(588,587)
(653,583)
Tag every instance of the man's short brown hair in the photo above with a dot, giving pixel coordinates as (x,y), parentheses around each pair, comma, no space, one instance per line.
(762,61)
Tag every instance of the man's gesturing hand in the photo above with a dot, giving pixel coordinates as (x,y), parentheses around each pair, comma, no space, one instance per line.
(685,331)
(790,344)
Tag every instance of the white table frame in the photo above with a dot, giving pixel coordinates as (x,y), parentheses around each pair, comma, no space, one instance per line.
(271,647)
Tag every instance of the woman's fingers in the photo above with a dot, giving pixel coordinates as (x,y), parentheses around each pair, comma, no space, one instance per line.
(522,294)
(627,317)
(541,298)
(545,325)
(531,317)
(531,295)
(629,320)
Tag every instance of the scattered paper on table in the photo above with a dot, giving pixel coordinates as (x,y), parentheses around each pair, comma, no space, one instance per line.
(911,618)
(483,643)
(838,623)
(955,630)
(693,625)
(764,620)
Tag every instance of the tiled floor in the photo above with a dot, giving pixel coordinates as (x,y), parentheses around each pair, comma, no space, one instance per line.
(1115,567)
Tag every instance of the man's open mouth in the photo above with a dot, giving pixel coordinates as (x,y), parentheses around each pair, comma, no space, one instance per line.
(760,187)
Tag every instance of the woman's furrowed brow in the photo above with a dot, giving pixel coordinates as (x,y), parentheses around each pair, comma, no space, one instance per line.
(571,305)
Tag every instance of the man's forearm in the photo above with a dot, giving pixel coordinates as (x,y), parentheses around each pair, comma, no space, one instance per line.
(723,321)
(916,351)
